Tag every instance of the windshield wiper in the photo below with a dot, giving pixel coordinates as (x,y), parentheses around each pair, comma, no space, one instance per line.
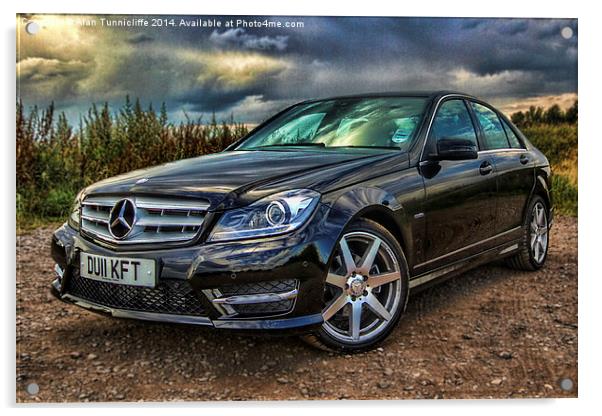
(316,144)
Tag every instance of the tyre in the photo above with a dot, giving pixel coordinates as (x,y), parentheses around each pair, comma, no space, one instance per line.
(533,248)
(366,290)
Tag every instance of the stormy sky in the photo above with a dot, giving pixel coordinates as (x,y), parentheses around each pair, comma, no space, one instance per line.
(251,71)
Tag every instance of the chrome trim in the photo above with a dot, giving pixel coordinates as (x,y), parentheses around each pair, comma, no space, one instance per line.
(146,316)
(223,310)
(503,150)
(256,298)
(95,219)
(170,204)
(152,213)
(509,249)
(56,285)
(428,129)
(427,277)
(433,275)
(469,246)
(59,271)
(464,97)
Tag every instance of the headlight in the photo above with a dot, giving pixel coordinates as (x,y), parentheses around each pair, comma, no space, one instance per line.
(275,214)
(75,211)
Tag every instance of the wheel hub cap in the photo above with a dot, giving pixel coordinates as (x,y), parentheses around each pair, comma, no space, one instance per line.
(357,285)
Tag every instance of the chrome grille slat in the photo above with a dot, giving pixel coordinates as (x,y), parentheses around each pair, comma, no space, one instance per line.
(158,219)
(101,201)
(95,215)
(173,221)
(173,205)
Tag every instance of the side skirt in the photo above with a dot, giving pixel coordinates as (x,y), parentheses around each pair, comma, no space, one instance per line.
(430,278)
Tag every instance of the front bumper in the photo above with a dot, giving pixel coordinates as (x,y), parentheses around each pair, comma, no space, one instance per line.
(219,276)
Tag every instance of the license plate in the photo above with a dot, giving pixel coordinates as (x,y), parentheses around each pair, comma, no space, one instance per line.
(120,270)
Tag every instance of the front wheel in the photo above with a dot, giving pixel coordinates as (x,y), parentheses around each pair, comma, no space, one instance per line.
(366,290)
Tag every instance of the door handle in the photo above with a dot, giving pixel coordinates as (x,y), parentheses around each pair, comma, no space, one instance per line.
(485,168)
(524,159)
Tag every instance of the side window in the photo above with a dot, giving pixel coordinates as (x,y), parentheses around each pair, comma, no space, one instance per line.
(495,137)
(453,120)
(514,141)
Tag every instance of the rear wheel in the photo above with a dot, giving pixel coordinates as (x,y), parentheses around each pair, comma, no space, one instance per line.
(366,290)
(533,248)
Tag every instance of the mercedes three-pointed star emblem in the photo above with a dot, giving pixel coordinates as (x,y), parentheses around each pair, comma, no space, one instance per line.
(122,218)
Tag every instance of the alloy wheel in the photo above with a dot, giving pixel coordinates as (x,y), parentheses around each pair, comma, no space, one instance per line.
(363,288)
(539,232)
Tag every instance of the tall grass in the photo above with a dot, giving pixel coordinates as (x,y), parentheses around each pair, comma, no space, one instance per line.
(559,143)
(55,160)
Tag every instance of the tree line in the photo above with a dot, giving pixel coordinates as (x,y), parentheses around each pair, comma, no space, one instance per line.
(552,115)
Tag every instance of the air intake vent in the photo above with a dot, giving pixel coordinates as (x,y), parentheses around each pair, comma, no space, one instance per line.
(140,220)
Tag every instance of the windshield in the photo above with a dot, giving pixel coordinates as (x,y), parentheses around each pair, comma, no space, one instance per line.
(385,123)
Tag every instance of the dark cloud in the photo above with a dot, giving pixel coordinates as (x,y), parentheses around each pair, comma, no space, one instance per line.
(254,71)
(140,38)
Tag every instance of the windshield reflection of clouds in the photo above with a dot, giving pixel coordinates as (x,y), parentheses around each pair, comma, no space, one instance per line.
(388,122)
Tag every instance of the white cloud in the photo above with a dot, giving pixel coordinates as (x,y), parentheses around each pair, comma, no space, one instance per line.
(239,38)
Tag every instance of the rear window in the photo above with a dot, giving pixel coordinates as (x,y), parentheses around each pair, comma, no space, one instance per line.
(512,138)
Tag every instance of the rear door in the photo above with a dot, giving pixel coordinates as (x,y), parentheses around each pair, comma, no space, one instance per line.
(514,166)
(460,195)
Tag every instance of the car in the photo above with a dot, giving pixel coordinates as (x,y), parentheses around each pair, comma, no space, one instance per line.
(320,222)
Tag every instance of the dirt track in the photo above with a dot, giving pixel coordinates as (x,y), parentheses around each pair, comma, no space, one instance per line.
(493,332)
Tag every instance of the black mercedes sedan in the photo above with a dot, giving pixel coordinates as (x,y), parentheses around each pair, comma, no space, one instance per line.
(321,221)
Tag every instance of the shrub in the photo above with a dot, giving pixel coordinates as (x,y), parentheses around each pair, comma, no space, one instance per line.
(565,195)
(54,160)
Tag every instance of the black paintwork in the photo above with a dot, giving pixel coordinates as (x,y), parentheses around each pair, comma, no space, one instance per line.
(446,214)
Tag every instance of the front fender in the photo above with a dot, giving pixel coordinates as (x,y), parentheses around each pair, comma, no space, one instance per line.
(378,205)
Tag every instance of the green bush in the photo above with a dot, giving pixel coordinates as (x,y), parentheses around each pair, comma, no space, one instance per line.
(57,202)
(54,160)
(557,142)
(565,195)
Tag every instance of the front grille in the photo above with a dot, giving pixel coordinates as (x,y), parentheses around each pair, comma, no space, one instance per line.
(169,296)
(156,220)
(259,309)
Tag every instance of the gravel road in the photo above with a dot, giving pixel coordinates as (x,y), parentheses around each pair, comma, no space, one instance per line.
(491,333)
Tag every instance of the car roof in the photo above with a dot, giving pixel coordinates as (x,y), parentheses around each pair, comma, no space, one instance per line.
(432,94)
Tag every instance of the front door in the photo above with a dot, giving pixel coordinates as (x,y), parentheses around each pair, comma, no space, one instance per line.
(460,195)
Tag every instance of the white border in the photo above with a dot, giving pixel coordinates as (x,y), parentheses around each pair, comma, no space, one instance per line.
(589,275)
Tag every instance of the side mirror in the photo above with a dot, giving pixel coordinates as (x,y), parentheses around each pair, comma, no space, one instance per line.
(453,148)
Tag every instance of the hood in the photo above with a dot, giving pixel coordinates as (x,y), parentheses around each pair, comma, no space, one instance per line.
(225,180)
